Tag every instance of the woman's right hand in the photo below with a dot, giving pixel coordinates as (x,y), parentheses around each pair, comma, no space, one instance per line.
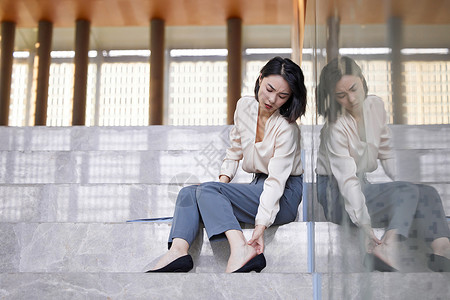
(370,239)
(257,240)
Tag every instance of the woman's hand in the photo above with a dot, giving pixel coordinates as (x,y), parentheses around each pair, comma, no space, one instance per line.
(370,240)
(257,240)
(224,179)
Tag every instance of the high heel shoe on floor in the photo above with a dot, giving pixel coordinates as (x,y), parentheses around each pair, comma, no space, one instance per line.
(256,264)
(179,265)
(372,262)
(438,263)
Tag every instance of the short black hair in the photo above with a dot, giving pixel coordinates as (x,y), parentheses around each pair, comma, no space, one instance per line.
(295,106)
(327,104)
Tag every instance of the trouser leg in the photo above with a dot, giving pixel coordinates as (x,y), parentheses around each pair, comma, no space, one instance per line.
(395,205)
(332,201)
(186,218)
(430,216)
(392,205)
(223,205)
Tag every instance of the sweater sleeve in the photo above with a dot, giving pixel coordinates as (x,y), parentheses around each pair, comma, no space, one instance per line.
(385,150)
(234,153)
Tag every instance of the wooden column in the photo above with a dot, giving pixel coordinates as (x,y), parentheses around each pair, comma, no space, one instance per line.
(395,35)
(6,63)
(44,46)
(333,25)
(234,60)
(81,71)
(157,40)
(298,30)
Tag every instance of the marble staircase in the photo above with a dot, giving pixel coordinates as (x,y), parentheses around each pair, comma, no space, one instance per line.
(67,193)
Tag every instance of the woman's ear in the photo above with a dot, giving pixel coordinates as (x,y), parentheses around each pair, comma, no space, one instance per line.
(260,78)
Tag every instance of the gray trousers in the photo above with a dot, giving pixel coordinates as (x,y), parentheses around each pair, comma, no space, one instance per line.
(394,205)
(221,206)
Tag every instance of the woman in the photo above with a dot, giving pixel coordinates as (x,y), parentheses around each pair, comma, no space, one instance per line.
(354,136)
(266,138)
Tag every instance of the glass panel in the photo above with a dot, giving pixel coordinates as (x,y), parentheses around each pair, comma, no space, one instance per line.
(379,88)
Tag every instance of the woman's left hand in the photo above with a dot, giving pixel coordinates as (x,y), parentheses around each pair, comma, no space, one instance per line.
(224,179)
(257,240)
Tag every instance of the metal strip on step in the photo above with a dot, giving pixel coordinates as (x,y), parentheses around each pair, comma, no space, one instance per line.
(317,286)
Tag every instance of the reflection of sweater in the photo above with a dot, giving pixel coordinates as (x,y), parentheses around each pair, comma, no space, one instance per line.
(343,154)
(277,155)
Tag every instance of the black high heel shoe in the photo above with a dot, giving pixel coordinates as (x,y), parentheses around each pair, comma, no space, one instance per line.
(256,264)
(438,263)
(372,262)
(180,265)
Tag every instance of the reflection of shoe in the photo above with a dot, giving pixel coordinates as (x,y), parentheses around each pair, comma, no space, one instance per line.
(256,264)
(181,264)
(438,263)
(374,263)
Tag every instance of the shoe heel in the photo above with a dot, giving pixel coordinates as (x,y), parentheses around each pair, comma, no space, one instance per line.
(373,263)
(257,264)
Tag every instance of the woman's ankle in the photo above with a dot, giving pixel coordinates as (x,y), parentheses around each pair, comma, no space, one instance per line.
(179,246)
(441,246)
(239,257)
(391,237)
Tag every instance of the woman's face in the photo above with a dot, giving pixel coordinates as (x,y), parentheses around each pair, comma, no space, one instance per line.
(273,92)
(349,92)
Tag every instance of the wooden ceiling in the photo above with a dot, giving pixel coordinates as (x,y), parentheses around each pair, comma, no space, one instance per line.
(64,13)
(412,12)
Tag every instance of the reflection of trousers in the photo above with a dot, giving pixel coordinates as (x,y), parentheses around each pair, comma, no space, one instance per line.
(221,206)
(394,205)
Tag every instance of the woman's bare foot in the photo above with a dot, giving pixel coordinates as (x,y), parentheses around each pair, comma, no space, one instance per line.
(388,253)
(178,249)
(239,257)
(167,258)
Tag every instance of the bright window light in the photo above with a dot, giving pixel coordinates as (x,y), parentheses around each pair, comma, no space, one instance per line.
(21,54)
(198,52)
(118,53)
(365,51)
(251,51)
(62,54)
(311,51)
(412,51)
(92,53)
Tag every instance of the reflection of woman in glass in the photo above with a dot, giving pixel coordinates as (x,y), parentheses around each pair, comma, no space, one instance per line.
(354,136)
(266,138)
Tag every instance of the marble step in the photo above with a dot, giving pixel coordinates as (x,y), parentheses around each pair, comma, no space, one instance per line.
(161,166)
(404,137)
(78,138)
(164,166)
(339,249)
(155,286)
(367,286)
(315,210)
(75,138)
(382,285)
(120,202)
(88,202)
(132,247)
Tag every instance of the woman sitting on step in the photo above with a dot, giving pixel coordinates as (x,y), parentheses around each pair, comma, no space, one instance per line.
(353,137)
(266,137)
